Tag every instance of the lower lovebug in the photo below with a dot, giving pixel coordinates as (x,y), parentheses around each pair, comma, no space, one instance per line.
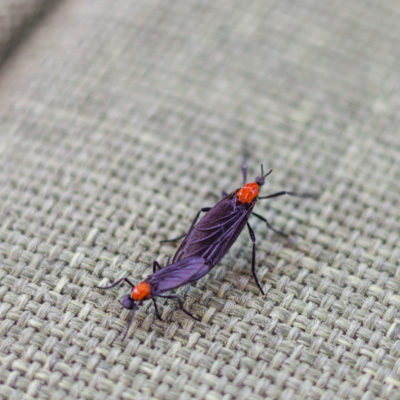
(162,280)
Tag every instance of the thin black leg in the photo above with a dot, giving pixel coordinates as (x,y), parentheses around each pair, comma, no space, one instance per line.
(156,308)
(269,225)
(116,284)
(253,258)
(204,209)
(175,239)
(156,266)
(175,297)
(284,192)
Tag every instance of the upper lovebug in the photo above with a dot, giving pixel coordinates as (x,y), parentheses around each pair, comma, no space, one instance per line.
(215,233)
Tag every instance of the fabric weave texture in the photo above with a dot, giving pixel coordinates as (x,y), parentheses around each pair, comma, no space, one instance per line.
(119,120)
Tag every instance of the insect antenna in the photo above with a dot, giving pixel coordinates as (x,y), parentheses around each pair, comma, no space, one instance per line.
(245,154)
(130,319)
(261,179)
(129,323)
(118,282)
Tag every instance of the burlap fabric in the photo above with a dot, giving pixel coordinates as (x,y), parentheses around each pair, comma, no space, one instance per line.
(119,120)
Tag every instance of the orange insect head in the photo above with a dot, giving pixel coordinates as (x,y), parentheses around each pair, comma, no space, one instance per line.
(141,291)
(248,192)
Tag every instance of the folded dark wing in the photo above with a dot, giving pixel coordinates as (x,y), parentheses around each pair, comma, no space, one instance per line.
(177,274)
(214,234)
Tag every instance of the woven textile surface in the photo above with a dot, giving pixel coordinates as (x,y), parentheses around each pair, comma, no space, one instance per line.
(119,120)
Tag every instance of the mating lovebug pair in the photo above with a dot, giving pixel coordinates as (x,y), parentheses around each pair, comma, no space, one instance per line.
(205,244)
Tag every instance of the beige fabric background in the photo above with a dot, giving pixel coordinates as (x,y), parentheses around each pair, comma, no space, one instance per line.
(118,120)
(16,17)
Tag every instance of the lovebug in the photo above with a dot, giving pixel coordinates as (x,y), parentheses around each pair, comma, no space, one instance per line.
(162,280)
(205,244)
(215,233)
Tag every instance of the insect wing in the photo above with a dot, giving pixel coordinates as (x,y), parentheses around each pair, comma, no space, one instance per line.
(177,274)
(215,233)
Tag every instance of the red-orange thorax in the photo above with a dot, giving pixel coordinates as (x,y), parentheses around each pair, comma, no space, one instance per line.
(141,291)
(248,192)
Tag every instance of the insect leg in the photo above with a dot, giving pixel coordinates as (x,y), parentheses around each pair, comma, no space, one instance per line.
(204,209)
(283,192)
(253,258)
(156,308)
(116,284)
(175,297)
(174,239)
(269,225)
(156,266)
